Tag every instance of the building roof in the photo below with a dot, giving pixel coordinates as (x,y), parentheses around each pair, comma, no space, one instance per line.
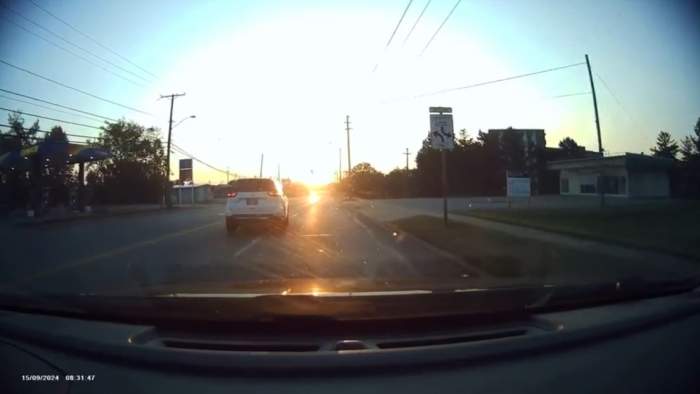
(630,161)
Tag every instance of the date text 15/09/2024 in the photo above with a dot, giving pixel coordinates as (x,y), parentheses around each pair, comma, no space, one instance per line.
(58,378)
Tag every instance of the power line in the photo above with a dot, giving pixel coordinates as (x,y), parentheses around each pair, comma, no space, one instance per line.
(391,38)
(74,44)
(54,119)
(416,22)
(86,60)
(47,132)
(48,108)
(74,89)
(58,105)
(614,96)
(92,39)
(440,27)
(499,80)
(570,95)
(193,157)
(184,153)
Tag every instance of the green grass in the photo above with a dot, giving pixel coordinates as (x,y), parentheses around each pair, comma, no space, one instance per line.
(508,257)
(666,227)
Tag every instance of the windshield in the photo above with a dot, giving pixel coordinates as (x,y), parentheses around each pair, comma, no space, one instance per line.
(253,185)
(346,148)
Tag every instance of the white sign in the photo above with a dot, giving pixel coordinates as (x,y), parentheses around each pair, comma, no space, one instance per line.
(518,187)
(442,135)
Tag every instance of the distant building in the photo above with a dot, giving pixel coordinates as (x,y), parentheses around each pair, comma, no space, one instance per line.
(529,137)
(183,194)
(628,175)
(533,141)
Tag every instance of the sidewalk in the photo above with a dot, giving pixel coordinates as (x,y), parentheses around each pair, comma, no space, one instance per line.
(100,211)
(388,211)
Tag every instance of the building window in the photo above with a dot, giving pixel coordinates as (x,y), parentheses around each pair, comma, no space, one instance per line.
(564,185)
(588,189)
(615,184)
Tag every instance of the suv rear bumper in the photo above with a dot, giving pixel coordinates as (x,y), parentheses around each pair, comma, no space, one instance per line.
(254,217)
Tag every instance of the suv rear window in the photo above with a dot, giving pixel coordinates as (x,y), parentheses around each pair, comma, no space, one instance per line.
(253,185)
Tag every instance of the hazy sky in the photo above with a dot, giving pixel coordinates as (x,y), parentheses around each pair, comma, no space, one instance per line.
(279,76)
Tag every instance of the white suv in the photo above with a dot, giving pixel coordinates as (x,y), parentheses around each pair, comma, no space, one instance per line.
(256,200)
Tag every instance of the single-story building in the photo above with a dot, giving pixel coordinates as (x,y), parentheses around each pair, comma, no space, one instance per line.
(628,175)
(183,194)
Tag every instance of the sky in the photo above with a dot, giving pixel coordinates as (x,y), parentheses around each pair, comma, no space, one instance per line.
(279,77)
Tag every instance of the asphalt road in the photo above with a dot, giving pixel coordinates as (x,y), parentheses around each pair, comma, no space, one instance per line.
(325,240)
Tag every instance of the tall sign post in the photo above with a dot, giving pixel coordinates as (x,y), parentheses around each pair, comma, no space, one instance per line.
(187,176)
(442,137)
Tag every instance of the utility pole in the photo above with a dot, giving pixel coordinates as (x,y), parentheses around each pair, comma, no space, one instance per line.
(278,172)
(340,164)
(601,183)
(347,130)
(168,202)
(262,156)
(407,153)
(227,175)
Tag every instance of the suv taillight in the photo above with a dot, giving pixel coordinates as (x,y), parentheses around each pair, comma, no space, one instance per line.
(231,194)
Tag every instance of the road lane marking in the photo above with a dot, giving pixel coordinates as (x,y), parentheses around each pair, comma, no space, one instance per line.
(117,251)
(382,246)
(246,247)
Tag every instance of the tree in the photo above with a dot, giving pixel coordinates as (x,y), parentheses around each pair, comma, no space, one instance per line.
(688,148)
(364,180)
(570,148)
(56,173)
(665,146)
(16,182)
(136,171)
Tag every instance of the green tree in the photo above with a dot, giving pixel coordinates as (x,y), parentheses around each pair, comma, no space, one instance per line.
(570,148)
(56,173)
(365,181)
(16,181)
(17,136)
(688,148)
(665,146)
(136,171)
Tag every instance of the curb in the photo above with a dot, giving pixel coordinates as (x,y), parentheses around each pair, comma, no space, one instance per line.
(590,237)
(93,216)
(390,228)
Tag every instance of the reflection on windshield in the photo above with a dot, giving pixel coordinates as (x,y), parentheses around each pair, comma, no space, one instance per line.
(285,145)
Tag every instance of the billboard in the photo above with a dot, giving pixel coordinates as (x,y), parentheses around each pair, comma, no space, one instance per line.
(186,174)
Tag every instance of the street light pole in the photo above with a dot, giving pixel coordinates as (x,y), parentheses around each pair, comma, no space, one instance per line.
(601,182)
(168,202)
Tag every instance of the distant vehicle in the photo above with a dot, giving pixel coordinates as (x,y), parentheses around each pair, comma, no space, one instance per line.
(256,200)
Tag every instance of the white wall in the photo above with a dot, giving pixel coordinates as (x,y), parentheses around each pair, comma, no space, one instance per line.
(649,184)
(590,177)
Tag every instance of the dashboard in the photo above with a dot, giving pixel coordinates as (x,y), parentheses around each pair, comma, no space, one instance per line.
(641,346)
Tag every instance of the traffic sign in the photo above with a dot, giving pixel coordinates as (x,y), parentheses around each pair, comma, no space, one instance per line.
(440,110)
(442,135)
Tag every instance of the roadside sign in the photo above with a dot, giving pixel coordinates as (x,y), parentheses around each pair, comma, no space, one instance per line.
(442,134)
(186,170)
(518,186)
(442,137)
(440,110)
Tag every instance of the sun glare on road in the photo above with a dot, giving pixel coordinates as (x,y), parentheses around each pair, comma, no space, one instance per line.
(313,197)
